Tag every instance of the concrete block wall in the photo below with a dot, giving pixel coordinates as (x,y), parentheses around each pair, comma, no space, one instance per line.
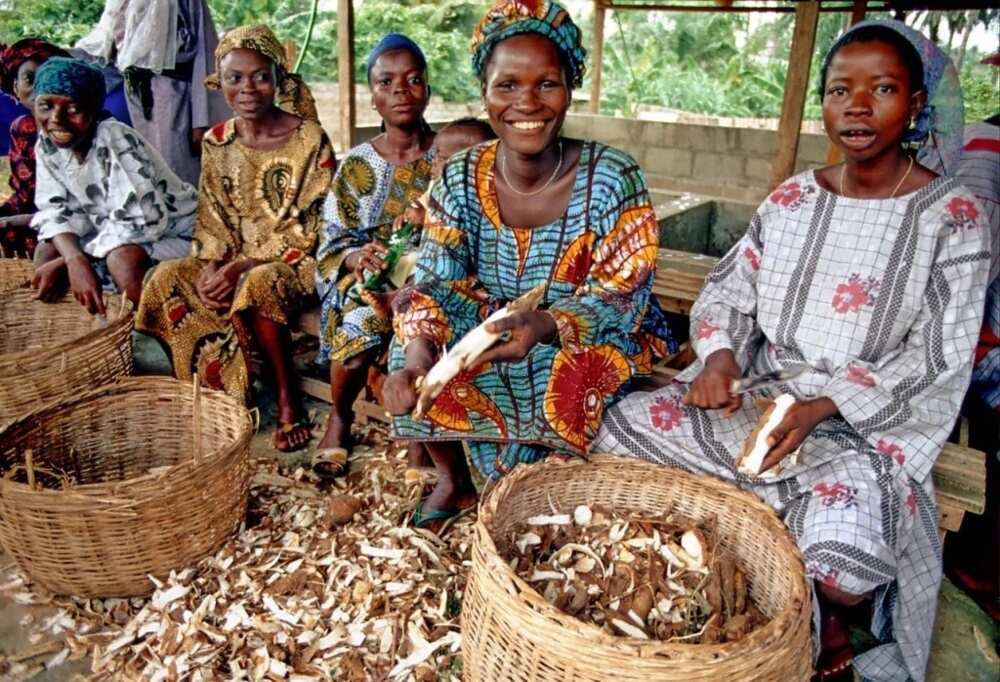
(717,161)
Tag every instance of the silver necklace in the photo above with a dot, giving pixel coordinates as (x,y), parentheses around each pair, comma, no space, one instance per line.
(503,172)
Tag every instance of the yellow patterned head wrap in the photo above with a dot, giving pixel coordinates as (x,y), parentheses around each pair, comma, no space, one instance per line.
(294,95)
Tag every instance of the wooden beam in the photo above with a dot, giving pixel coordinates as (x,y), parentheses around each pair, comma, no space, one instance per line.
(833,154)
(796,89)
(597,58)
(345,72)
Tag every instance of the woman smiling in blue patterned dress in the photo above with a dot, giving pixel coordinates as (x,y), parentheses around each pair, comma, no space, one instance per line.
(506,216)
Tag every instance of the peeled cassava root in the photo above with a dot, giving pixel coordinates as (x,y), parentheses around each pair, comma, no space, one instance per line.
(755,447)
(647,578)
(465,353)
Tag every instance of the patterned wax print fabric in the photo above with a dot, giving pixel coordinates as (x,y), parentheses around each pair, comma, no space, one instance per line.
(368,194)
(264,205)
(23,135)
(508,18)
(598,258)
(121,193)
(882,299)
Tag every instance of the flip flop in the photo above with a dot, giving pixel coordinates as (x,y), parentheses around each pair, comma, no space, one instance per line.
(325,459)
(280,440)
(420,518)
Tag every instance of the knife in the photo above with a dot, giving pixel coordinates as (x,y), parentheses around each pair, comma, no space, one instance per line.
(766,379)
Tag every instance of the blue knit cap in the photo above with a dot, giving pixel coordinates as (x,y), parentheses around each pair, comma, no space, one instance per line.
(392,42)
(72,78)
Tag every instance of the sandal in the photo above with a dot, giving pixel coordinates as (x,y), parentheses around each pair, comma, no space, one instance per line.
(420,518)
(330,463)
(285,429)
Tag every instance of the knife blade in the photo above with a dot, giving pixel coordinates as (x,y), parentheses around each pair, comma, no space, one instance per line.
(766,379)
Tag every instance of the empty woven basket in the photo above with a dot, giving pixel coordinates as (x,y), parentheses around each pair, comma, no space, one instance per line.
(15,273)
(52,350)
(510,632)
(123,487)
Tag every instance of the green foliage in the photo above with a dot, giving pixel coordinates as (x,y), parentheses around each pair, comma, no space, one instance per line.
(61,22)
(980,89)
(703,63)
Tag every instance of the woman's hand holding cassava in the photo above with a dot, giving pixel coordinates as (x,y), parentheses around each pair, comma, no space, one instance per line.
(800,420)
(526,329)
(711,388)
(399,393)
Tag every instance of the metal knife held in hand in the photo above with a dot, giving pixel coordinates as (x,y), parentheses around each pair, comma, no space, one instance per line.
(766,379)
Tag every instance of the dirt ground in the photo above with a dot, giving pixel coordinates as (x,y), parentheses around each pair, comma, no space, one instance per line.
(965,646)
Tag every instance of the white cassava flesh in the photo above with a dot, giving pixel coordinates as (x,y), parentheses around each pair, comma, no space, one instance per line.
(753,457)
(692,545)
(467,351)
(582,515)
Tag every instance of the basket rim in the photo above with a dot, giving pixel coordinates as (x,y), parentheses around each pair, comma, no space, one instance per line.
(124,318)
(100,491)
(770,631)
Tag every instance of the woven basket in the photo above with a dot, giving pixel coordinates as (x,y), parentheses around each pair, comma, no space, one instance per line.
(52,350)
(509,631)
(143,501)
(15,273)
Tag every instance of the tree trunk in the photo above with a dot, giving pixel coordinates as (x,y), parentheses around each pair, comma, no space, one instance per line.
(970,23)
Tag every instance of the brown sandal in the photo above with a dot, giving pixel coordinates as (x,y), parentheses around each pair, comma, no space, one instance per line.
(330,463)
(285,430)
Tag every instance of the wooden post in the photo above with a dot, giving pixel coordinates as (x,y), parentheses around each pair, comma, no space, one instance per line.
(597,58)
(858,11)
(345,72)
(796,86)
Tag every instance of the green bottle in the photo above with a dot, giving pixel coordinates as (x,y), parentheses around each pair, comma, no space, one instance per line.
(398,243)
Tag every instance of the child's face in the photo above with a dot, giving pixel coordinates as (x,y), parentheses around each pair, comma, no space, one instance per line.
(452,140)
(62,119)
(24,84)
(867,103)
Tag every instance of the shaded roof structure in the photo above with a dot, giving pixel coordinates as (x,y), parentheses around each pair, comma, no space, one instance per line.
(799,59)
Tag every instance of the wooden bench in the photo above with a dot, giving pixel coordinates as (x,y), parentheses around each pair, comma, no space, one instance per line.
(960,471)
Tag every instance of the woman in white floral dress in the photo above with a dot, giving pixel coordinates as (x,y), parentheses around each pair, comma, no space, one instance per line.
(872,274)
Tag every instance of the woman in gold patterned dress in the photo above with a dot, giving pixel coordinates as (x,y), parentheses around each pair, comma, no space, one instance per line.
(265,174)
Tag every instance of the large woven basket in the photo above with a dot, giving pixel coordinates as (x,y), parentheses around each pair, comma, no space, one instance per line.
(15,273)
(509,631)
(147,495)
(52,350)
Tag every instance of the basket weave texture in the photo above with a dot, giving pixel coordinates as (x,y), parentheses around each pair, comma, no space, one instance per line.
(15,273)
(52,350)
(511,633)
(119,522)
